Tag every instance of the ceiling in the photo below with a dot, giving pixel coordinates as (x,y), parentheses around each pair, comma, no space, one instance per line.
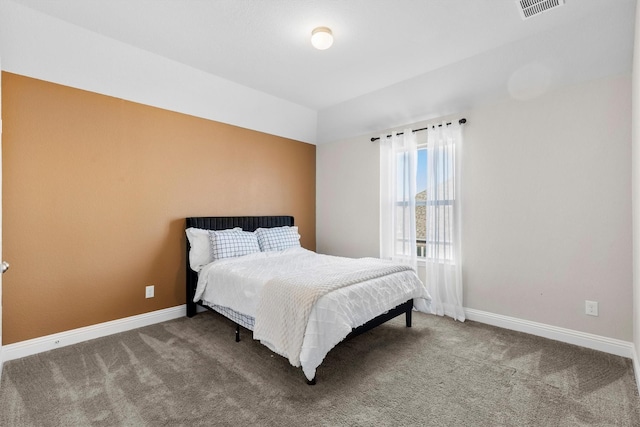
(265,44)
(378,44)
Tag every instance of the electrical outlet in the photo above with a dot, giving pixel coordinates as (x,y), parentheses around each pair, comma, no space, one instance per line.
(591,308)
(149,291)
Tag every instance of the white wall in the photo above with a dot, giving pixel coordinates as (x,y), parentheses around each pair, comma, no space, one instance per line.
(37,45)
(547,206)
(347,204)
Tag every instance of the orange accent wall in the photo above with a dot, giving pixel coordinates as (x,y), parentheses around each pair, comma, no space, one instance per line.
(95,192)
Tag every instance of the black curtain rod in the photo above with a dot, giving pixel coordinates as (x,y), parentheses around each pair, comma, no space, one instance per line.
(461,121)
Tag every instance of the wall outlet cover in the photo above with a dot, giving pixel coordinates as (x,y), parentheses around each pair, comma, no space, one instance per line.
(591,308)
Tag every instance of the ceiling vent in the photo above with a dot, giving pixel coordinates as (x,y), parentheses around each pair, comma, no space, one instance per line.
(529,8)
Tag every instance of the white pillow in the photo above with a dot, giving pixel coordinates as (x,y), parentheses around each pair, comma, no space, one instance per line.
(200,252)
(232,243)
(278,238)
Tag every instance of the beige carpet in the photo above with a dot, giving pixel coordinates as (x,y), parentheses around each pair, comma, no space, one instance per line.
(440,372)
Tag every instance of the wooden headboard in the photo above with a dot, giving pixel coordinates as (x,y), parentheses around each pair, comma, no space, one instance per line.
(247,223)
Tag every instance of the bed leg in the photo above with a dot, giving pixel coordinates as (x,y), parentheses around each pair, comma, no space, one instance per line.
(312,382)
(237,333)
(408,318)
(191,309)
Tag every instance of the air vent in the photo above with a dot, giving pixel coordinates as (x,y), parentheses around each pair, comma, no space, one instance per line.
(529,8)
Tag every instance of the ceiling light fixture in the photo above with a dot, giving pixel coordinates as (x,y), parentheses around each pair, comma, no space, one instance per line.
(321,38)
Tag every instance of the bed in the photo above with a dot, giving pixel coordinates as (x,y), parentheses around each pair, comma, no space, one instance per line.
(317,335)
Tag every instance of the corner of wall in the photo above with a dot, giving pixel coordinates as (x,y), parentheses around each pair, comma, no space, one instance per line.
(635,192)
(636,367)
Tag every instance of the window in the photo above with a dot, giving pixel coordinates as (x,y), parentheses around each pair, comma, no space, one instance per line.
(419,212)
(434,212)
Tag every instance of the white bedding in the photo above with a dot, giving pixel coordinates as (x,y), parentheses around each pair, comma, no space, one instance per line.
(237,283)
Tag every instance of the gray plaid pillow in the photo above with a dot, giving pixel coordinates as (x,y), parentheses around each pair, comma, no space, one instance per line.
(278,238)
(232,243)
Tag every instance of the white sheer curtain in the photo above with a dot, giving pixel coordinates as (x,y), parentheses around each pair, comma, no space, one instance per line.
(442,250)
(443,228)
(398,171)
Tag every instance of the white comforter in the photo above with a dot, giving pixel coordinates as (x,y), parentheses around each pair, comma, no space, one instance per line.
(238,282)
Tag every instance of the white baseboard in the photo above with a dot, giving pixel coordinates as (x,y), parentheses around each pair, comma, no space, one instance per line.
(74,336)
(595,342)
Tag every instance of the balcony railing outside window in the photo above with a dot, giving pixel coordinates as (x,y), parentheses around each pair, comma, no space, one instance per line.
(433,249)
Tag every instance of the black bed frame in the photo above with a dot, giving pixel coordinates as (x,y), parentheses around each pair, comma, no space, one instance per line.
(251,223)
